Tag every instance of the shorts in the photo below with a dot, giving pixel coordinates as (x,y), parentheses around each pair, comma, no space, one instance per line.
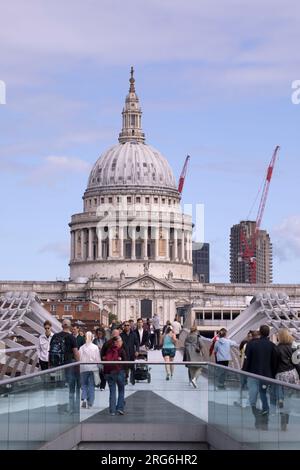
(168,352)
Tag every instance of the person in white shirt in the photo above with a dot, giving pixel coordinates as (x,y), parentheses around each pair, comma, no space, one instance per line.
(89,355)
(44,346)
(176,327)
(156,325)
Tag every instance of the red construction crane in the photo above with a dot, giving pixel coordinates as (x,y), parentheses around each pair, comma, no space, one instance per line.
(183,173)
(248,245)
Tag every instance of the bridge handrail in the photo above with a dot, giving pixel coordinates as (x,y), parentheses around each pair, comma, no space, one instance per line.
(267,380)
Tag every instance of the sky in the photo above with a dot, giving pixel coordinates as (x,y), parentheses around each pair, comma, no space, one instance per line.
(214,80)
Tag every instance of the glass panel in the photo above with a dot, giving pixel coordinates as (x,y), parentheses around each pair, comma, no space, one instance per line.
(35,410)
(178,399)
(257,413)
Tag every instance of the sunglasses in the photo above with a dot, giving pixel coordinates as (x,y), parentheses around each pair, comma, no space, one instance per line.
(127,324)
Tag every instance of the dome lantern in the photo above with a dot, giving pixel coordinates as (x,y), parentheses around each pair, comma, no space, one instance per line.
(132,116)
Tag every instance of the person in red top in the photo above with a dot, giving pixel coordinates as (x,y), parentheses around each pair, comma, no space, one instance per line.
(213,342)
(115,375)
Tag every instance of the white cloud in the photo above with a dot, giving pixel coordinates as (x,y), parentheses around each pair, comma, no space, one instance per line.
(286,243)
(243,42)
(54,169)
(57,248)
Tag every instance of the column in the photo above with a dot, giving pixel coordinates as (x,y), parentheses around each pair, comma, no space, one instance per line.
(156,243)
(110,236)
(99,238)
(189,247)
(90,249)
(167,238)
(145,244)
(82,244)
(175,251)
(121,241)
(183,246)
(72,256)
(133,244)
(77,232)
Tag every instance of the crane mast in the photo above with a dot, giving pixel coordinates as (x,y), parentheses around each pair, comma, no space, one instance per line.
(183,174)
(248,246)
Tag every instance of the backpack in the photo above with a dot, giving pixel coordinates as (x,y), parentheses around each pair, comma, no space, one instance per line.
(57,350)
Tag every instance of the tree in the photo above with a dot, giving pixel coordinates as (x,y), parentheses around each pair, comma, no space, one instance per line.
(112,318)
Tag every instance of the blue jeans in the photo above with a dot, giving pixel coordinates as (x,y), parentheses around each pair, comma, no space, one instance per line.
(73,379)
(116,380)
(88,387)
(256,387)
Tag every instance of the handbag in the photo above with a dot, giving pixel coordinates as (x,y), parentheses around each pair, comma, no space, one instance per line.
(96,377)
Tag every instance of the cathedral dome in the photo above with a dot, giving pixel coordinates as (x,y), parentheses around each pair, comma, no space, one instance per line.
(131,163)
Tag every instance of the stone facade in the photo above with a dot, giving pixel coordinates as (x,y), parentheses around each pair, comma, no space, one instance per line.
(131,211)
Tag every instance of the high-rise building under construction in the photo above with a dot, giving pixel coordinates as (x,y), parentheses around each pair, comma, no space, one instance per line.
(240,266)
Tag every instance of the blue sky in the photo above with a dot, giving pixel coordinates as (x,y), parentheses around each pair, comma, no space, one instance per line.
(214,80)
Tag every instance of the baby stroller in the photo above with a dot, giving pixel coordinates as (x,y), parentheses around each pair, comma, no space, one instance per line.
(141,369)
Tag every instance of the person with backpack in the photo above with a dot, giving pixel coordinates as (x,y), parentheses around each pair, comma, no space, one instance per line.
(115,375)
(63,350)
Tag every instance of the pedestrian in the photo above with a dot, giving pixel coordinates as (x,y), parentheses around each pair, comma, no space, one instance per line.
(115,375)
(131,346)
(212,344)
(260,359)
(222,350)
(63,350)
(80,340)
(44,346)
(90,356)
(193,350)
(286,371)
(176,327)
(156,325)
(141,334)
(100,340)
(168,341)
(168,323)
(151,333)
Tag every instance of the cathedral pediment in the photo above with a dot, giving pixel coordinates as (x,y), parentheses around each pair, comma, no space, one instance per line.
(146,282)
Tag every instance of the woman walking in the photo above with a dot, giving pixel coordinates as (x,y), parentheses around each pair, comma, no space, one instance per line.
(222,349)
(193,350)
(168,341)
(90,356)
(115,375)
(287,372)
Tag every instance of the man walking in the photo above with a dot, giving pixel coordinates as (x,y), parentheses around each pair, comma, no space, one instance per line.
(260,359)
(131,346)
(156,326)
(63,350)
